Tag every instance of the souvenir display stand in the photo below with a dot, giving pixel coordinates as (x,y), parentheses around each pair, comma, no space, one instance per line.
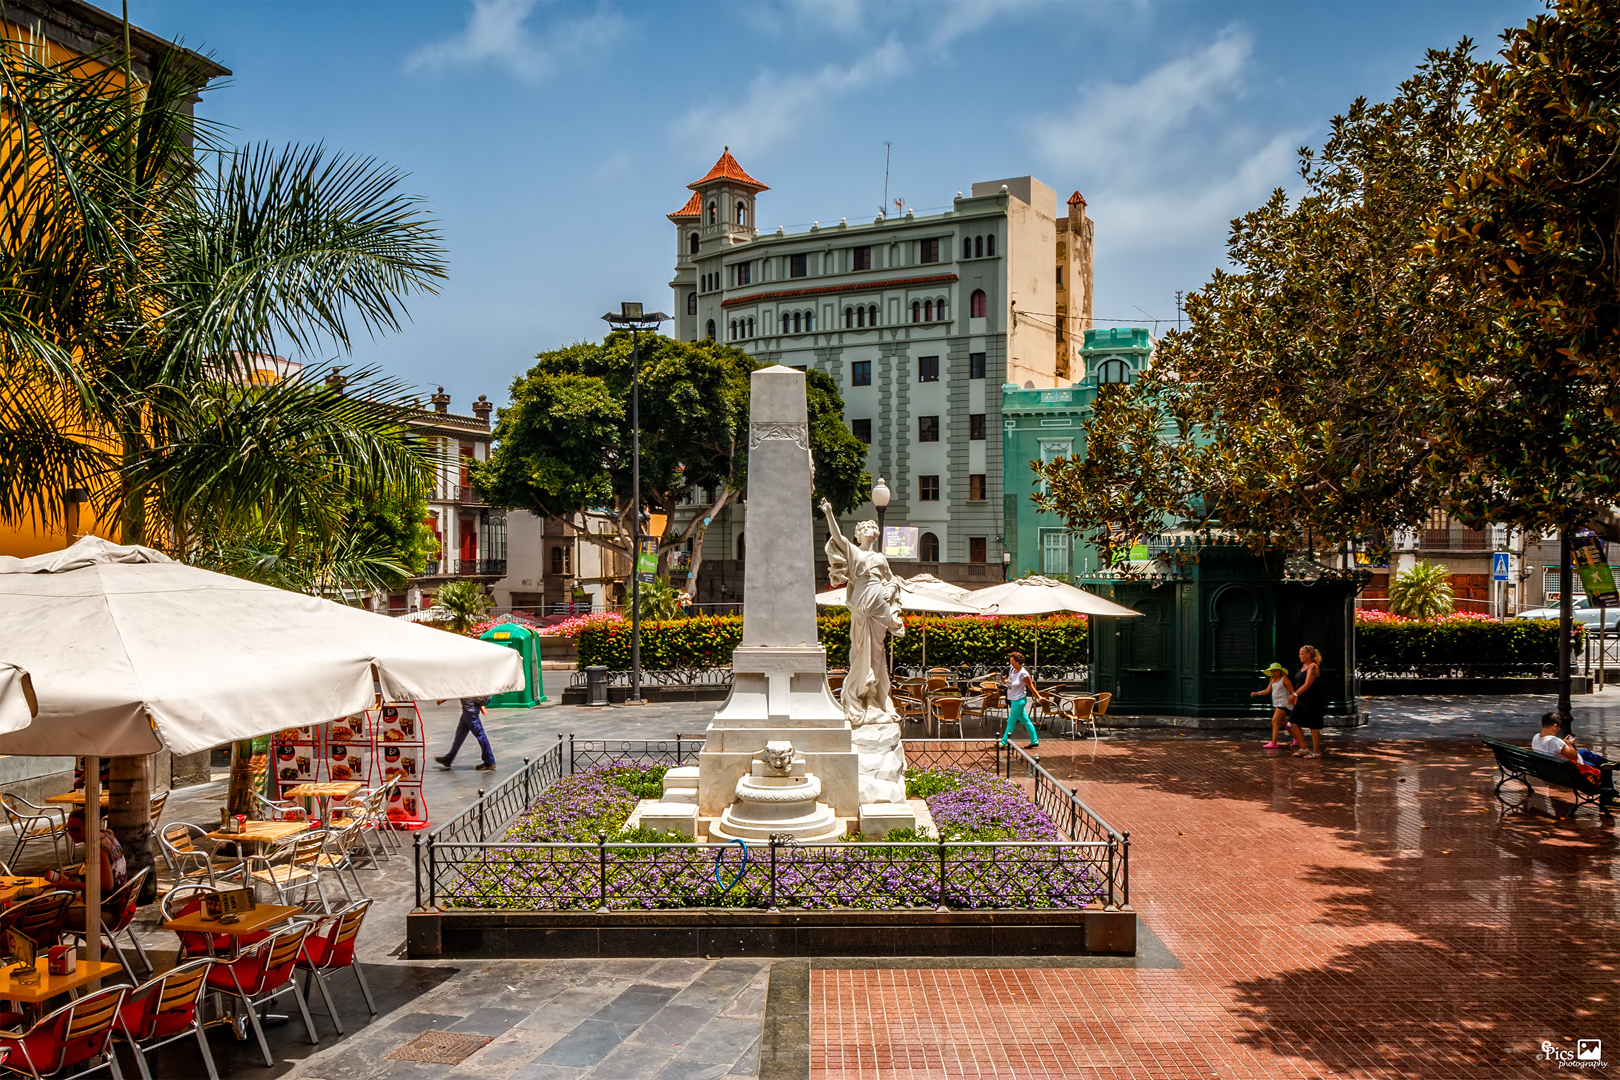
(298,757)
(399,750)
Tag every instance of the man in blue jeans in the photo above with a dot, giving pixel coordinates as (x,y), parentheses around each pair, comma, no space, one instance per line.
(472,712)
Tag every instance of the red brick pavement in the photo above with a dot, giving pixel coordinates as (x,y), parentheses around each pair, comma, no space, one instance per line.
(1370,915)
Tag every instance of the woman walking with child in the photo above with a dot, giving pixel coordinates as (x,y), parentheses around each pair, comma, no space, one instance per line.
(1280,690)
(1306,702)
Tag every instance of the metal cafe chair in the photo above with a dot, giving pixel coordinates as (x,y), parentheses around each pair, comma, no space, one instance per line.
(164,1010)
(1077,710)
(329,948)
(79,1033)
(946,710)
(40,919)
(260,974)
(30,823)
(290,864)
(118,910)
(191,853)
(280,809)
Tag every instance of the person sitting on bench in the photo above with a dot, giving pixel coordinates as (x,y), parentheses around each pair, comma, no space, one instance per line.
(1551,743)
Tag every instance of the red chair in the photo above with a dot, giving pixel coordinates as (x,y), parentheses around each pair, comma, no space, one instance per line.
(330,947)
(117,913)
(164,1010)
(79,1032)
(41,918)
(263,973)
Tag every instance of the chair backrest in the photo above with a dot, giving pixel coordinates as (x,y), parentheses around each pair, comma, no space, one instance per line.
(307,847)
(332,946)
(1102,704)
(76,1032)
(935,682)
(168,1003)
(184,899)
(16,814)
(159,801)
(119,906)
(281,954)
(1082,706)
(948,708)
(40,918)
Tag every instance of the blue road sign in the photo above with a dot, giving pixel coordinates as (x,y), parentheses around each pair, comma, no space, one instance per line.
(1500,566)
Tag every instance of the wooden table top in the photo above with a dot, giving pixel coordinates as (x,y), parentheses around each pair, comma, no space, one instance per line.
(75,798)
(10,887)
(263,832)
(261,917)
(51,985)
(326,789)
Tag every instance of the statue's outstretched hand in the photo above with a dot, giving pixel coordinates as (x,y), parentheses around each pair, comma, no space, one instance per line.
(826,507)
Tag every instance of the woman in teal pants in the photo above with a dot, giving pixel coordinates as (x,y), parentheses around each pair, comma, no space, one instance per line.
(1020,685)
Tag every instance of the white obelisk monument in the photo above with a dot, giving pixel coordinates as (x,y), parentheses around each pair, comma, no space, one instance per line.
(779,673)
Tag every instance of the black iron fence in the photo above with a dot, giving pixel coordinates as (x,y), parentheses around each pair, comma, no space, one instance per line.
(464,863)
(718,676)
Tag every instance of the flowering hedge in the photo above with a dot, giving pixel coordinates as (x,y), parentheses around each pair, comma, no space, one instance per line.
(709,640)
(1389,644)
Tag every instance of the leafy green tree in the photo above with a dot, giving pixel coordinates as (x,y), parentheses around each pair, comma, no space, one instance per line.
(463,601)
(1421,592)
(563,447)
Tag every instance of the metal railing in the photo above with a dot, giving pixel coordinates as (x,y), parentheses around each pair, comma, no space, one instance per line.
(458,864)
(662,677)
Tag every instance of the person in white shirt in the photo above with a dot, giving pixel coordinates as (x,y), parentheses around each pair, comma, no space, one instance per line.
(1019,686)
(1551,743)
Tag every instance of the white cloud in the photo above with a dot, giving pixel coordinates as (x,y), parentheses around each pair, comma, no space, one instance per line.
(775,106)
(498,36)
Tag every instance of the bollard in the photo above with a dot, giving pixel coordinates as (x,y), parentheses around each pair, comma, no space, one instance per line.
(596,684)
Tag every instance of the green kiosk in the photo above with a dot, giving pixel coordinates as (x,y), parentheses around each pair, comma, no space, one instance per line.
(527,643)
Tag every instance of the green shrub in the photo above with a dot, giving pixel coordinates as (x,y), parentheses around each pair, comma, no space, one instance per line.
(1421,592)
(1457,645)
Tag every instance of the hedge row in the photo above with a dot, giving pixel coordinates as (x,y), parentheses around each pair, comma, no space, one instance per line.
(708,640)
(1511,647)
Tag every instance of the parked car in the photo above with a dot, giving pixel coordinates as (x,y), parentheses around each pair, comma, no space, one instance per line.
(1584,612)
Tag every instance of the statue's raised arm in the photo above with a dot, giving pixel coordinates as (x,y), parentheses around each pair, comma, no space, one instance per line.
(838,548)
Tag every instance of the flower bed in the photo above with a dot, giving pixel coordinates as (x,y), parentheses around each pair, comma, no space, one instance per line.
(1389,644)
(569,869)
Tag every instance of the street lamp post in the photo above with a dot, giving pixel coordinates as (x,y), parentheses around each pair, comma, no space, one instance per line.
(880,500)
(630,317)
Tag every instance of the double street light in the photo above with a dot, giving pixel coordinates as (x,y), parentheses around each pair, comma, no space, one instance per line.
(630,317)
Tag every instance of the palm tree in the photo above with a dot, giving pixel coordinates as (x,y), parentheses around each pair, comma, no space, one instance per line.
(464,601)
(1421,592)
(143,264)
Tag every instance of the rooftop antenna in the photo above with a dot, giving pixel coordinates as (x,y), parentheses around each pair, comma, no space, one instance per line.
(1178,311)
(888,147)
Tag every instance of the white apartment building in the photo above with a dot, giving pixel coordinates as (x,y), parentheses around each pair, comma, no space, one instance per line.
(920,319)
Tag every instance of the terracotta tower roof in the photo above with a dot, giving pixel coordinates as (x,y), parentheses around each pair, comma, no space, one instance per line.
(728,169)
(1077,198)
(692,211)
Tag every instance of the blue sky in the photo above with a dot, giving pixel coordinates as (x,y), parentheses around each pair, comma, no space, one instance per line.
(551,139)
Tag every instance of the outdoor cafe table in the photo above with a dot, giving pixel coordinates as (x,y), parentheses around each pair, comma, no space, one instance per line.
(262,917)
(76,798)
(10,887)
(262,832)
(37,994)
(326,791)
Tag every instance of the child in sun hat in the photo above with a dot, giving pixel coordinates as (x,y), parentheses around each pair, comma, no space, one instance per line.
(1279,688)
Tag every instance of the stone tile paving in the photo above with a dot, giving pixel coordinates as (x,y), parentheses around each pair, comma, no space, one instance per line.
(1373,914)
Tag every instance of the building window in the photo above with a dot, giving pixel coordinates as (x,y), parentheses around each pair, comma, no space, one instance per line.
(796,323)
(860,373)
(742,212)
(928,369)
(976,304)
(928,488)
(786,322)
(976,487)
(939,308)
(975,365)
(810,321)
(711,329)
(733,329)
(978,247)
(691,303)
(750,326)
(849,318)
(1060,277)
(928,429)
(745,273)
(562,561)
(1055,552)
(1114,372)
(862,429)
(967,247)
(692,243)
(928,311)
(798,265)
(928,547)
(990,246)
(930,251)
(977,549)
(976,427)
(916,311)
(860,258)
(713,215)
(860,316)
(871,315)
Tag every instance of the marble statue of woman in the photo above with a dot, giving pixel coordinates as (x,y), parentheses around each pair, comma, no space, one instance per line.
(874,611)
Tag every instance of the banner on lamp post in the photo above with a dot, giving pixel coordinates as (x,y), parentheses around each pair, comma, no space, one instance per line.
(647,561)
(1590,557)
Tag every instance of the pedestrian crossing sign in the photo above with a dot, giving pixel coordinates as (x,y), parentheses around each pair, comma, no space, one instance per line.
(1500,566)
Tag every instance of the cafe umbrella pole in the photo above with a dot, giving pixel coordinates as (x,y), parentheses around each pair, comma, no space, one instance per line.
(92,860)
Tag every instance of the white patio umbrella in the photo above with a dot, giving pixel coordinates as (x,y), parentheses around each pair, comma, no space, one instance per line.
(925,596)
(130,652)
(1043,596)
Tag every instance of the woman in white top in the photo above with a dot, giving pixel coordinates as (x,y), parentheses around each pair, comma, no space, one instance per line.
(1020,685)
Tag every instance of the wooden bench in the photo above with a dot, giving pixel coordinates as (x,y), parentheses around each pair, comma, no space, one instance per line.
(1520,763)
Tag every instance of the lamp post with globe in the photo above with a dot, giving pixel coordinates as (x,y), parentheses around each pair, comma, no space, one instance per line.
(880,500)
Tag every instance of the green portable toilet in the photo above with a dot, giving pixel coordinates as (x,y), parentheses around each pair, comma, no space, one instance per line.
(527,643)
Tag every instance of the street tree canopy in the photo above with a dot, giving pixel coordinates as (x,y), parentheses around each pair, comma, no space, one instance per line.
(563,446)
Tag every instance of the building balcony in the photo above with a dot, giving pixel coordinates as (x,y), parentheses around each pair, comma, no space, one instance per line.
(466,568)
(1454,539)
(464,494)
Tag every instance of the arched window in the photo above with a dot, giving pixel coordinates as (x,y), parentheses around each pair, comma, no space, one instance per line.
(990,245)
(692,244)
(860,316)
(740,549)
(967,247)
(1114,371)
(939,308)
(810,322)
(750,326)
(928,548)
(1236,625)
(742,212)
(916,311)
(711,329)
(871,314)
(733,329)
(849,318)
(796,318)
(785,322)
(713,214)
(691,303)
(928,311)
(978,246)
(976,304)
